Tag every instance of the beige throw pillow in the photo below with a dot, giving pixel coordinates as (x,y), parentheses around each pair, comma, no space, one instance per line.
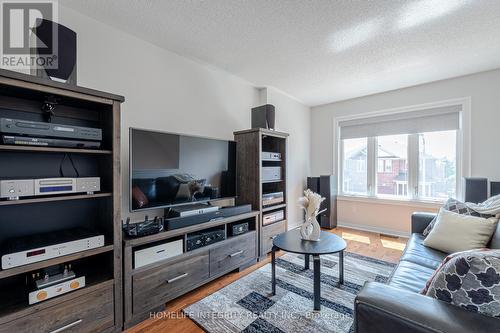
(454,232)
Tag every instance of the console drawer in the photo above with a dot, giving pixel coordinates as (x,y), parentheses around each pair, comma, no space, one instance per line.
(268,234)
(93,312)
(158,285)
(232,253)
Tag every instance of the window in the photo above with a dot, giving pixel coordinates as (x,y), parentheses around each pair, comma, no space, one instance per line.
(437,164)
(354,166)
(411,155)
(392,151)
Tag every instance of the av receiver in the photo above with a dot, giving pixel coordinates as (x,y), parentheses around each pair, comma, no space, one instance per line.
(17,188)
(49,142)
(269,199)
(30,249)
(272,217)
(34,128)
(271,173)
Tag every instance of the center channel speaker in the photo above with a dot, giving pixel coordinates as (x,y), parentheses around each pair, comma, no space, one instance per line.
(263,116)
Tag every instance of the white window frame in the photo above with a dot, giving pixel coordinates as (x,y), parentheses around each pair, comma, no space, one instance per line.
(463,157)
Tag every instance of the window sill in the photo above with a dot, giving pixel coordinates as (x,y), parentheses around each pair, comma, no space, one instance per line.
(390,201)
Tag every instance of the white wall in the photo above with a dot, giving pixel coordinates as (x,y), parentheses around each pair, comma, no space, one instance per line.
(485,117)
(167,92)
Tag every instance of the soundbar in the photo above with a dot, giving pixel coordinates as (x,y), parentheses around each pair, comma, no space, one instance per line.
(30,249)
(17,188)
(49,142)
(181,222)
(34,128)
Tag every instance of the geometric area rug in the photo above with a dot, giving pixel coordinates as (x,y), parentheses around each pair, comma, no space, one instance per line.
(247,305)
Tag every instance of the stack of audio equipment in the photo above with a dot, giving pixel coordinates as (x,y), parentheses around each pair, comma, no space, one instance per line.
(33,133)
(17,188)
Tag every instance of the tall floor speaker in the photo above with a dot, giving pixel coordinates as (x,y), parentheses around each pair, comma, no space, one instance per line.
(326,186)
(475,189)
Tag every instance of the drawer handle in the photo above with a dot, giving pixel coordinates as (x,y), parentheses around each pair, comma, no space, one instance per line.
(79,321)
(236,253)
(182,276)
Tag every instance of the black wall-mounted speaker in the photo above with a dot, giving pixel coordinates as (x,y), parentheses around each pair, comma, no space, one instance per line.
(475,189)
(65,70)
(263,117)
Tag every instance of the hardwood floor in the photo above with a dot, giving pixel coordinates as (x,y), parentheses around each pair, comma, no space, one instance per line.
(174,321)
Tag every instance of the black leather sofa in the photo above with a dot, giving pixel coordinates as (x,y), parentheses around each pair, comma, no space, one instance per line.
(399,307)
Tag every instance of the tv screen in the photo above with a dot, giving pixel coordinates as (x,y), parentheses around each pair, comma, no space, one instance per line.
(171,169)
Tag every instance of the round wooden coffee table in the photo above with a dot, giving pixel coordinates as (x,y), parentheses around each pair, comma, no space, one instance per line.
(291,241)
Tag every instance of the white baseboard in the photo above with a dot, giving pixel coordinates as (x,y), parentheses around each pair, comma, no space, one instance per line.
(377,230)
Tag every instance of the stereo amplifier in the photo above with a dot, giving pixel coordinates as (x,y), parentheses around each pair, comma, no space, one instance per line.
(270,218)
(274,198)
(34,128)
(156,253)
(49,142)
(30,249)
(56,289)
(271,173)
(17,188)
(270,156)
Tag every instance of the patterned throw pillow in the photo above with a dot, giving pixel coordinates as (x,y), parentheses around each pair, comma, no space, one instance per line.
(469,279)
(453,205)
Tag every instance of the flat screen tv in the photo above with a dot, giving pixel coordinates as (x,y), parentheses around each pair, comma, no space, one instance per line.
(168,169)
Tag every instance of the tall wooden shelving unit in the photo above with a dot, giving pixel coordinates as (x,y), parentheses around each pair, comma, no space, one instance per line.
(250,145)
(98,306)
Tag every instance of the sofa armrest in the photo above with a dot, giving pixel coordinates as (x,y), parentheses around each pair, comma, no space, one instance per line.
(420,220)
(380,308)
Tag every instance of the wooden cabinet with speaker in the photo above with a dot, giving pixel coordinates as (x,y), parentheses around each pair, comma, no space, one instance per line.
(261,158)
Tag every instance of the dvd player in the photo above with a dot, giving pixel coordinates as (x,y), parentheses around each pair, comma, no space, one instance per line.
(49,142)
(30,249)
(35,128)
(16,188)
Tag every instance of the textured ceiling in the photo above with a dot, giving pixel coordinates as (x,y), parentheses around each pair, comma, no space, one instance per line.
(318,51)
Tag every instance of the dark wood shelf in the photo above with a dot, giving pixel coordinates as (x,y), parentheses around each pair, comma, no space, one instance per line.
(34,149)
(52,199)
(267,209)
(46,263)
(18,307)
